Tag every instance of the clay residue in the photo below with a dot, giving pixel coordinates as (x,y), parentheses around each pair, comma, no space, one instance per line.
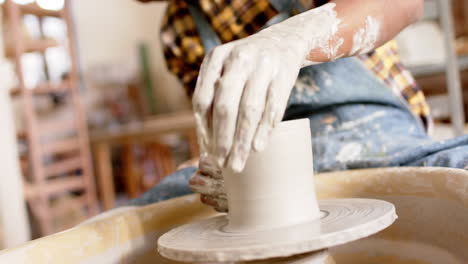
(305,88)
(360,121)
(349,152)
(364,39)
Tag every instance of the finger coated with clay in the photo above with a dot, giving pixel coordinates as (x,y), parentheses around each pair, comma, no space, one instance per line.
(267,122)
(226,104)
(209,167)
(250,113)
(206,185)
(204,93)
(218,203)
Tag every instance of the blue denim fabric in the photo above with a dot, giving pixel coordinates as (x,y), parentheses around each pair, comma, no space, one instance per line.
(356,122)
(172,186)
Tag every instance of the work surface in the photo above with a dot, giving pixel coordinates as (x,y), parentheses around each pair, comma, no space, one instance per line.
(432,204)
(126,135)
(169,123)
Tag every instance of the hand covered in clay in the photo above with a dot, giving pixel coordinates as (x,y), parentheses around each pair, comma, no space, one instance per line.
(208,181)
(243,88)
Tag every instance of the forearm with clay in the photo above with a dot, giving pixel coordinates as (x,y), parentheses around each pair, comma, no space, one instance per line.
(243,86)
(364,28)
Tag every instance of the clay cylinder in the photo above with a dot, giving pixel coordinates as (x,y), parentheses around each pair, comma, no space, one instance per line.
(276,188)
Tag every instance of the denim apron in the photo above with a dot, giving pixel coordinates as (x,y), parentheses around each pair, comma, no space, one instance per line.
(356,120)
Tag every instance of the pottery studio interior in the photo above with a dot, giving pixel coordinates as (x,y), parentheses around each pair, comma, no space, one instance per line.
(122,140)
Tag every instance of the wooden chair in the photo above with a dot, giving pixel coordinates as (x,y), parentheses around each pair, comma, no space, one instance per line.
(57,161)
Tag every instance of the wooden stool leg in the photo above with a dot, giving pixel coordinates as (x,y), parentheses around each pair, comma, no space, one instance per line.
(169,163)
(131,178)
(157,161)
(104,175)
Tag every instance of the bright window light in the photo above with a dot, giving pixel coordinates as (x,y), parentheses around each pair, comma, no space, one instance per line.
(51,4)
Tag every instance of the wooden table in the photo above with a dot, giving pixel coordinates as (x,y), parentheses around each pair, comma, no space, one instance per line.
(103,140)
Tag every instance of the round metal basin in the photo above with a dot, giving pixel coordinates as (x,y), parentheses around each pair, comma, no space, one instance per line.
(432,228)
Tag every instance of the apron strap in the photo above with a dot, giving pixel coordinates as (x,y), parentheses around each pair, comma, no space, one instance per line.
(286,9)
(209,37)
(283,5)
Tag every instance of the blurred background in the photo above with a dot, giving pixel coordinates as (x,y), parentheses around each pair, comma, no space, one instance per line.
(90,116)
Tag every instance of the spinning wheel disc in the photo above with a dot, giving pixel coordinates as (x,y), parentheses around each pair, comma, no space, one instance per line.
(342,221)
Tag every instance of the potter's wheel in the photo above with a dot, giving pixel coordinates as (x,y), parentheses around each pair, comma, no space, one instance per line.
(273,209)
(341,221)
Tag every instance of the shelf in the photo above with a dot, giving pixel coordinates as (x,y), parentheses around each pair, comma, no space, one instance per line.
(34,9)
(45,88)
(171,123)
(53,187)
(40,45)
(72,183)
(33,45)
(431,69)
(61,146)
(62,167)
(54,128)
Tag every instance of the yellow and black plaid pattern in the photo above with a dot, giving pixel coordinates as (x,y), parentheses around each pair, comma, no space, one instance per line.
(231,20)
(386,64)
(235,19)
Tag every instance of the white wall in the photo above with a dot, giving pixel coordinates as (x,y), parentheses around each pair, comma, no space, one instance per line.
(109,31)
(14,225)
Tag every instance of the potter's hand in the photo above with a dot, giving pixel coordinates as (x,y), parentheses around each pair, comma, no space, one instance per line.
(207,181)
(242,92)
(243,86)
